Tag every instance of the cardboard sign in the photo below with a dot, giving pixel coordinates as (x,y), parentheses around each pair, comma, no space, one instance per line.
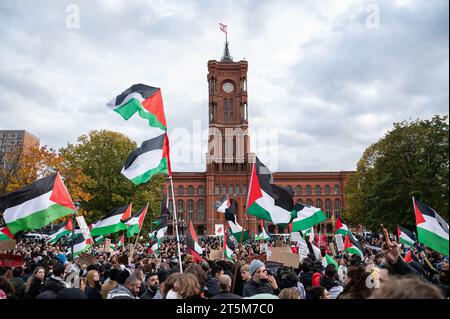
(83,227)
(107,245)
(8,260)
(7,245)
(283,255)
(87,259)
(339,242)
(215,254)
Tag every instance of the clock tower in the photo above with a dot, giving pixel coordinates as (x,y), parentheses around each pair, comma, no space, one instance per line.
(228,168)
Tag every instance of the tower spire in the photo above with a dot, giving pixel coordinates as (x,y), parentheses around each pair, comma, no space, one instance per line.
(226,54)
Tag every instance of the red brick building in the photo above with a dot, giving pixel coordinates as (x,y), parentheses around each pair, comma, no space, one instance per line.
(229,161)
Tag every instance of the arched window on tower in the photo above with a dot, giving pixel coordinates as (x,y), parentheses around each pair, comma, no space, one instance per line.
(298,190)
(308,190)
(190,190)
(231,109)
(225,110)
(180,190)
(201,190)
(327,190)
(318,190)
(224,189)
(217,189)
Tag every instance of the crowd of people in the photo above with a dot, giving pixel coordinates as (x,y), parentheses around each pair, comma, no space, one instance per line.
(48,273)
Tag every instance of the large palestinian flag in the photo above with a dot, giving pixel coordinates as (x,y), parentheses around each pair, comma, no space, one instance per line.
(228,246)
(64,230)
(36,205)
(5,234)
(148,160)
(406,236)
(352,246)
(266,200)
(307,216)
(134,223)
(341,228)
(192,243)
(144,99)
(432,229)
(112,222)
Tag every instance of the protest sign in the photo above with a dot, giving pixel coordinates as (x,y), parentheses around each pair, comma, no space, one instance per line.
(283,255)
(9,260)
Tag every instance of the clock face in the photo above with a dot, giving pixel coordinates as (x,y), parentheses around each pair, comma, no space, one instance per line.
(228,87)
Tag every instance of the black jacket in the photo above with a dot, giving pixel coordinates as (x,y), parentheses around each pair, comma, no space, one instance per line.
(252,288)
(148,294)
(36,287)
(226,295)
(211,287)
(93,293)
(306,279)
(54,283)
(328,283)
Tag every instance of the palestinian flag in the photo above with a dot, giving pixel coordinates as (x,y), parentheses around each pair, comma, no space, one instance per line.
(239,233)
(161,229)
(410,257)
(36,205)
(134,223)
(121,242)
(352,246)
(406,236)
(154,246)
(341,228)
(327,260)
(192,243)
(75,234)
(266,200)
(230,209)
(314,251)
(432,229)
(99,239)
(80,245)
(222,205)
(148,160)
(228,246)
(144,99)
(112,222)
(307,216)
(5,234)
(64,230)
(263,235)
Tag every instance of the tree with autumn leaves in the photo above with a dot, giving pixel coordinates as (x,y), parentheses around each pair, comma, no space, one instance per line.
(91,170)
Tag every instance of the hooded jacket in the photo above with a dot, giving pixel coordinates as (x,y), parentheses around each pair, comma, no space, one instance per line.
(120,292)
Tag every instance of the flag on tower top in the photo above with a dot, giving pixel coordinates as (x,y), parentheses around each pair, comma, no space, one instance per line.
(223,27)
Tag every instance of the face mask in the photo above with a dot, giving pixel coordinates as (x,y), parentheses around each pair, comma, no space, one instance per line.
(172,294)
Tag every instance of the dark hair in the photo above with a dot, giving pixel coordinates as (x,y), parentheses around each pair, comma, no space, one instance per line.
(17,272)
(122,277)
(58,269)
(216,269)
(307,264)
(150,274)
(316,292)
(330,271)
(113,273)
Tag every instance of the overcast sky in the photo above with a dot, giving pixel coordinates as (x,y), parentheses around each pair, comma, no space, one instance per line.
(326,78)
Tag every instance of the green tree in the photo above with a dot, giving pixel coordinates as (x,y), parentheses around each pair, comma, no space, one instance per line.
(100,156)
(410,160)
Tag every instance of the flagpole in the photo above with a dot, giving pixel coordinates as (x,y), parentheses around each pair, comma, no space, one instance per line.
(237,261)
(176,223)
